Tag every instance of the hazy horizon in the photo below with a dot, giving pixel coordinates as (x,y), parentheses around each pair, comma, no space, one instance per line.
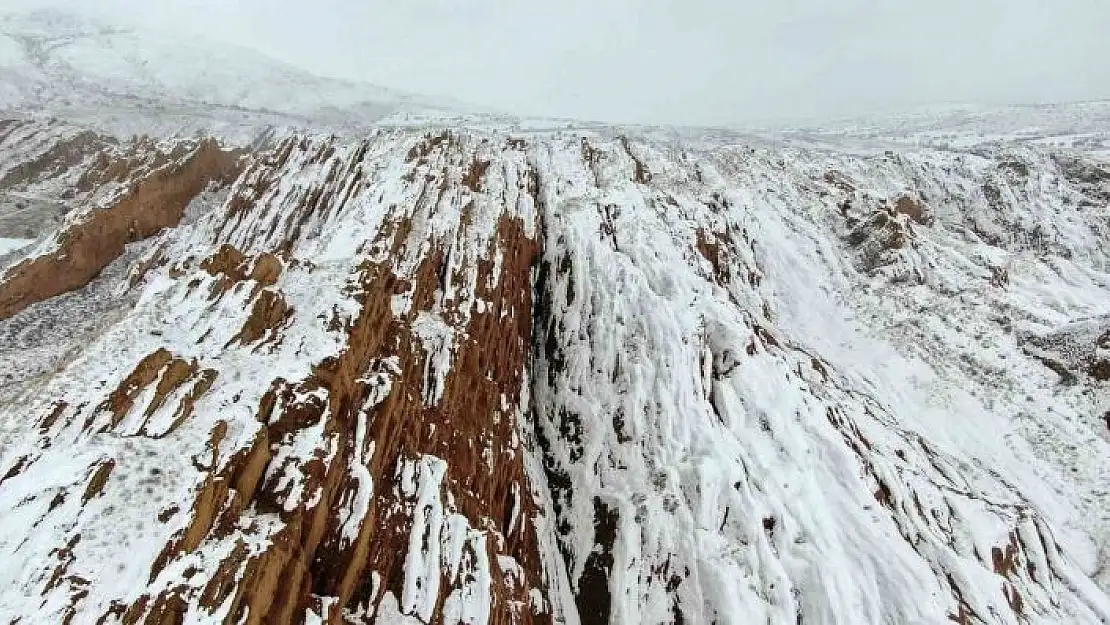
(703,62)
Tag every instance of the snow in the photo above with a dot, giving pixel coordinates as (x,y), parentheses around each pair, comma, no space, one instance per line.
(11,53)
(743,402)
(437,339)
(422,571)
(642,305)
(7,246)
(62,61)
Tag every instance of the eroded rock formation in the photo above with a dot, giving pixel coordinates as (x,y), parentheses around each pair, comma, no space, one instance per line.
(459,377)
(154,190)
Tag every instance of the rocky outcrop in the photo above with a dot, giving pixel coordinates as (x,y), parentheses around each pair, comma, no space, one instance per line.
(397,467)
(146,205)
(458,377)
(914,208)
(1080,348)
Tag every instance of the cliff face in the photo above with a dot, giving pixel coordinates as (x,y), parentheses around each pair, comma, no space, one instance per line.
(460,376)
(154,189)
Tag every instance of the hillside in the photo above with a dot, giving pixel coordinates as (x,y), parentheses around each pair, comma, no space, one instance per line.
(84,69)
(479,370)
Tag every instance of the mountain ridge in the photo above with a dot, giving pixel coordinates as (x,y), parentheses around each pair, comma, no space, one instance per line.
(467,370)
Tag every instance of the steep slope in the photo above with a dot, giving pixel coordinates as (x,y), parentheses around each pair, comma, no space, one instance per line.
(465,376)
(85,201)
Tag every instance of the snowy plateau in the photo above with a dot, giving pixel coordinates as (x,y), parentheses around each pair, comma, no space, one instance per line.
(278,349)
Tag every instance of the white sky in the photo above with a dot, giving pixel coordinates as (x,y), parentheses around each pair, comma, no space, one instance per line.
(674,61)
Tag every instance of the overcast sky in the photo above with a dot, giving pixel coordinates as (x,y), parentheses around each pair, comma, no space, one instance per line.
(674,61)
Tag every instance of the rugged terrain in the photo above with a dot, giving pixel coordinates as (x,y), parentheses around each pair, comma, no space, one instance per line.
(465,372)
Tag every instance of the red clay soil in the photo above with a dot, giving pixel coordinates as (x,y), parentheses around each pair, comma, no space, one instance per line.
(308,558)
(157,201)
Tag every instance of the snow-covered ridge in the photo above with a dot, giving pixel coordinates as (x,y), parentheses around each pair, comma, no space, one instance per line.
(489,370)
(561,377)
